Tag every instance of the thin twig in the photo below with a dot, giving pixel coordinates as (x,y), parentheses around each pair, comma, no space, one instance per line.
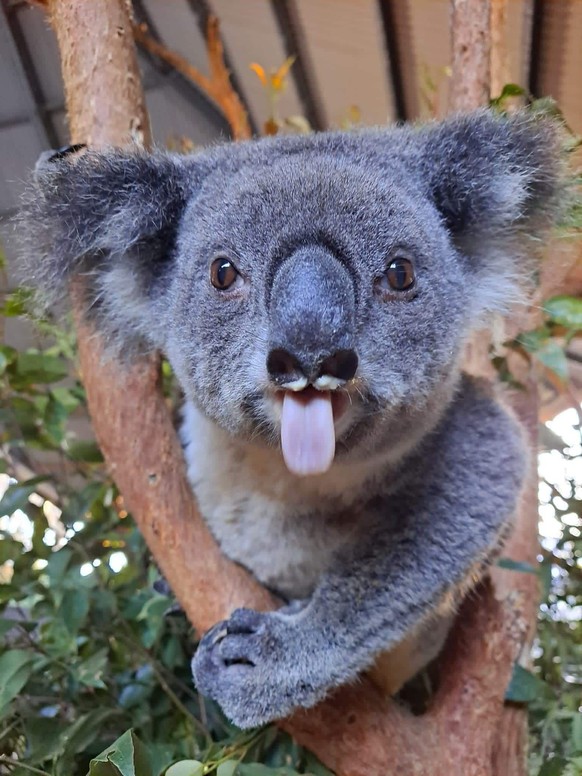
(18,764)
(217,87)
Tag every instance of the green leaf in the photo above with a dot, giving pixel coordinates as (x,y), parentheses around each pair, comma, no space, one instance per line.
(83,501)
(44,738)
(16,496)
(227,768)
(314,768)
(16,303)
(533,340)
(547,350)
(258,769)
(524,686)
(186,768)
(553,767)
(40,368)
(87,452)
(553,356)
(10,549)
(545,575)
(54,418)
(8,592)
(67,397)
(16,666)
(90,671)
(577,732)
(565,310)
(83,732)
(152,615)
(6,625)
(517,565)
(39,548)
(74,609)
(509,90)
(134,694)
(57,565)
(128,756)
(7,356)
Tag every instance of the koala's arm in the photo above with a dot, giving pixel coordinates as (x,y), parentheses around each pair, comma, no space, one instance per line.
(428,548)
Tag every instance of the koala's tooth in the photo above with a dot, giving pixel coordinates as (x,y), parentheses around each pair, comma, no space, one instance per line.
(327,383)
(295,385)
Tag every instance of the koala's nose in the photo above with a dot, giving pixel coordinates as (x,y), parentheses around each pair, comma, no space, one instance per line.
(312,312)
(343,364)
(285,368)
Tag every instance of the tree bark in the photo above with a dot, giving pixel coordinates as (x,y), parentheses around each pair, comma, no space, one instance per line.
(471,54)
(357,732)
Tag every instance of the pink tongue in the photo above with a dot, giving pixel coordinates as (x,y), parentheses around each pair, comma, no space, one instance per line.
(307,432)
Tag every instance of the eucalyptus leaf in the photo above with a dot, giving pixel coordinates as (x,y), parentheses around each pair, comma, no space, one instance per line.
(16,667)
(74,608)
(258,769)
(39,368)
(82,733)
(85,451)
(577,732)
(565,310)
(186,768)
(128,755)
(90,671)
(552,355)
(17,495)
(517,565)
(227,768)
(45,738)
(524,686)
(553,767)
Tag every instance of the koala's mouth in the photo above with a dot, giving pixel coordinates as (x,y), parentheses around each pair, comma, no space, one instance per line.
(308,418)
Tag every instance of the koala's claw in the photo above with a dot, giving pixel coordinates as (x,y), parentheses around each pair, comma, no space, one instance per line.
(246,664)
(215,634)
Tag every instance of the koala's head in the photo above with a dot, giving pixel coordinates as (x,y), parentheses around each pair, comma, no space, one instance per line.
(306,290)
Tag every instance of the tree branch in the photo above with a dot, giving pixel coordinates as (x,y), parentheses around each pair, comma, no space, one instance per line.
(218,87)
(471,54)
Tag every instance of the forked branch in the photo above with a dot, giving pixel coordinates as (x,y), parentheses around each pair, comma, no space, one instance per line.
(217,87)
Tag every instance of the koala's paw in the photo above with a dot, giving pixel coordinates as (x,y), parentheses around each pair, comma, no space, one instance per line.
(254,667)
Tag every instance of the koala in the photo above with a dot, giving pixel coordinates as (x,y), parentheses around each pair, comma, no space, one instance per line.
(313,295)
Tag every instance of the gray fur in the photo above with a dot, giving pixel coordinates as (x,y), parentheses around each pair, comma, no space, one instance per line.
(427,466)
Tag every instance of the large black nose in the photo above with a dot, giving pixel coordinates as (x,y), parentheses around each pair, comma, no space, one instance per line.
(284,367)
(312,312)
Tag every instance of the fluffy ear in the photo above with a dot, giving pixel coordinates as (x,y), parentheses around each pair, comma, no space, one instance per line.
(497,182)
(111,217)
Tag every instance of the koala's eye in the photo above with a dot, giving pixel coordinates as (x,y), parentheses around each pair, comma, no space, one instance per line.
(399,276)
(224,275)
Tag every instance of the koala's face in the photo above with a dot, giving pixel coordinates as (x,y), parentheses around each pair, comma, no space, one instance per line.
(310,285)
(311,293)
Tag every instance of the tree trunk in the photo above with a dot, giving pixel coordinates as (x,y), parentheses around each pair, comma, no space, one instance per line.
(470,54)
(357,732)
